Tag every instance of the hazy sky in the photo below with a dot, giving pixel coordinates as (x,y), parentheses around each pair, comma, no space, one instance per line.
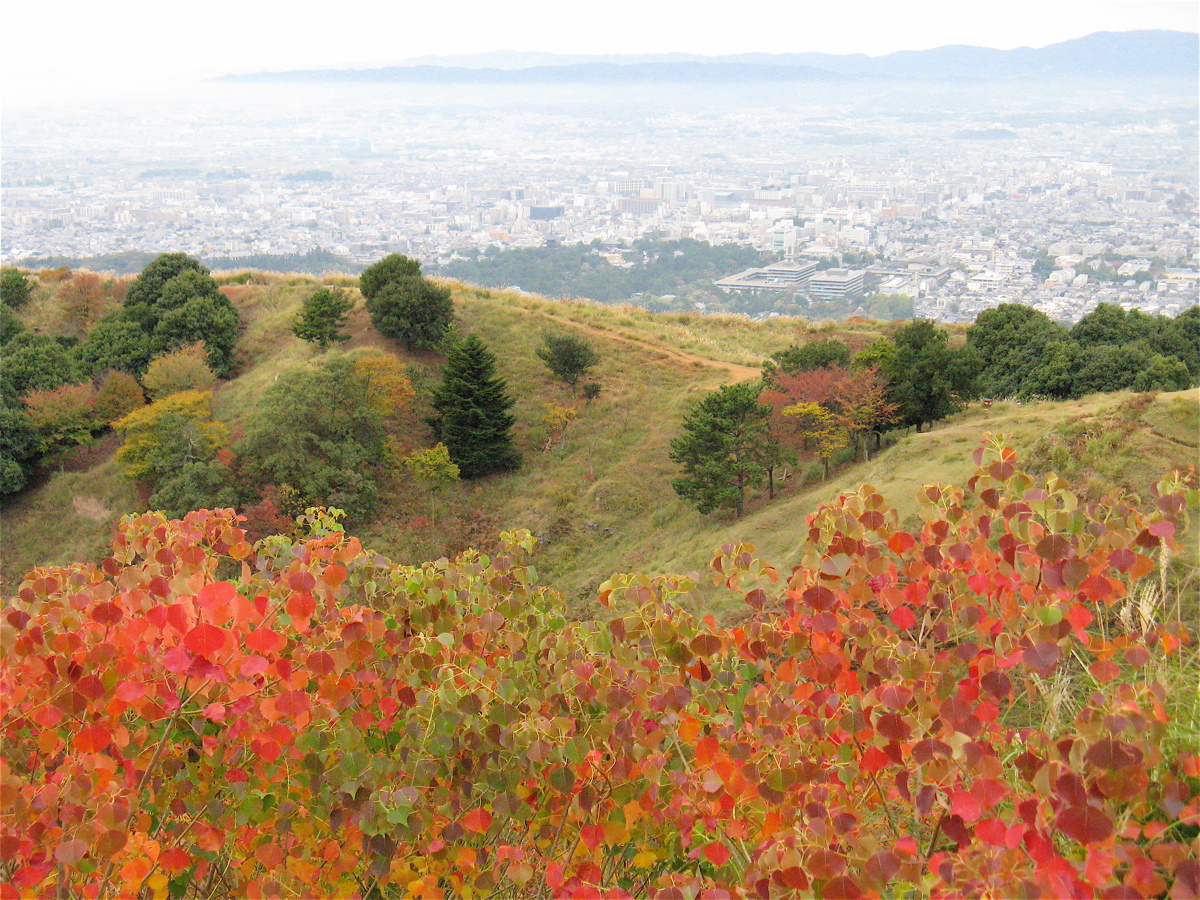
(54,50)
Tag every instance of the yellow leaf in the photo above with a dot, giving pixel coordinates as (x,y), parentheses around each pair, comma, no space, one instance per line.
(645,859)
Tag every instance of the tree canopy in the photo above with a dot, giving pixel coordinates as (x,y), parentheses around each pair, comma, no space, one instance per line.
(471,411)
(323,316)
(412,310)
(322,432)
(568,356)
(15,288)
(722,448)
(929,380)
(390,268)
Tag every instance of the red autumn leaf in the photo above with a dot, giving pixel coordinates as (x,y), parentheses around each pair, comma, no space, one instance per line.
(94,739)
(1187,880)
(1163,528)
(1074,572)
(270,855)
(716,853)
(1084,824)
(992,831)
(334,575)
(1136,656)
(1112,754)
(989,791)
(1104,670)
(292,703)
(477,820)
(174,860)
(903,617)
(301,582)
(1096,588)
(70,852)
(554,875)
(706,645)
(253,665)
(264,640)
(129,691)
(91,687)
(592,836)
(107,613)
(874,760)
(965,804)
(205,639)
(894,727)
(842,888)
(901,542)
(320,663)
(301,605)
(1042,658)
(895,696)
(826,864)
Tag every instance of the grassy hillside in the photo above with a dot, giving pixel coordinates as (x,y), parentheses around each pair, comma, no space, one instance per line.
(599,497)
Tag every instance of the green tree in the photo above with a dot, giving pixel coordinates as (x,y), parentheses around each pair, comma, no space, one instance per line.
(434,467)
(198,484)
(117,396)
(10,325)
(34,362)
(1162,373)
(810,356)
(722,448)
(391,268)
(928,379)
(568,356)
(320,432)
(116,342)
(15,288)
(213,320)
(18,448)
(1010,341)
(412,310)
(63,417)
(145,294)
(471,411)
(1106,324)
(323,316)
(183,369)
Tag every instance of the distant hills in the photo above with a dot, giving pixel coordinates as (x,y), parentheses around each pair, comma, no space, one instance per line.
(1125,55)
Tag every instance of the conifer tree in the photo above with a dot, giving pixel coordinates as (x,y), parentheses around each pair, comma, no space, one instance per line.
(472,417)
(724,448)
(323,316)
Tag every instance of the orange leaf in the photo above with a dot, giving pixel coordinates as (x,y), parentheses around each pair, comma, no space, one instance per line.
(477,820)
(174,860)
(301,605)
(716,853)
(270,855)
(264,640)
(334,575)
(93,739)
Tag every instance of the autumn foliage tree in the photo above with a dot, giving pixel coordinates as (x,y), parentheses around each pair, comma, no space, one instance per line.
(202,717)
(183,369)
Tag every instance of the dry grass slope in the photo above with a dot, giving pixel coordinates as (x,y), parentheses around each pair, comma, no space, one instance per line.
(600,496)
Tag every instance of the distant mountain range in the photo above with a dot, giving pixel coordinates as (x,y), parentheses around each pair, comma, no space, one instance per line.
(1126,55)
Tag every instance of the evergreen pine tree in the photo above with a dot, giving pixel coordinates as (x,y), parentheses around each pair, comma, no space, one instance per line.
(724,448)
(472,417)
